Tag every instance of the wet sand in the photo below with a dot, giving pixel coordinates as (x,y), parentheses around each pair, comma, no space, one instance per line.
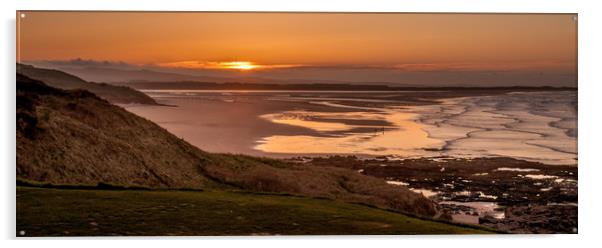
(489,158)
(526,126)
(223,123)
(534,126)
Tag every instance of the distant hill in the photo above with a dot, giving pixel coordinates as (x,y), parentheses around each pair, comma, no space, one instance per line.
(103,74)
(196,85)
(62,80)
(121,73)
(72,137)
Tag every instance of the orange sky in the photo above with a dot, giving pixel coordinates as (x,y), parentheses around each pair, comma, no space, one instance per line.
(315,39)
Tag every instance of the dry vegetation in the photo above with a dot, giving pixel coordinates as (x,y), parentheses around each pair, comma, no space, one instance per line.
(76,138)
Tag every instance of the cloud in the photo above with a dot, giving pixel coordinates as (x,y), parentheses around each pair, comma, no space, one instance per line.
(193,65)
(553,73)
(219,65)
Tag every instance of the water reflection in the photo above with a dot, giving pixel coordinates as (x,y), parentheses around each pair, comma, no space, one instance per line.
(534,126)
(403,137)
(304,119)
(522,125)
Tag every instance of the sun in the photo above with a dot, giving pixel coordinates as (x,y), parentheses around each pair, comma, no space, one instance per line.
(240,65)
(223,65)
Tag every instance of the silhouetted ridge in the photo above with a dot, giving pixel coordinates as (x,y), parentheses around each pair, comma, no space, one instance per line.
(59,79)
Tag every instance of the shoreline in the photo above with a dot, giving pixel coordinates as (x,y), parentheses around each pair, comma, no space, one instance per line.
(245,123)
(515,194)
(478,197)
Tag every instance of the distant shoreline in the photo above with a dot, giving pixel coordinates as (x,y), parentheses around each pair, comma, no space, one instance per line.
(193,85)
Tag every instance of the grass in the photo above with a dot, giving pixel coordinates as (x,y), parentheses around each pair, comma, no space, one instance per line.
(74,212)
(99,186)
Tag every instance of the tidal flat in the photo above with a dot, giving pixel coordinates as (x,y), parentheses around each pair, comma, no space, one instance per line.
(482,155)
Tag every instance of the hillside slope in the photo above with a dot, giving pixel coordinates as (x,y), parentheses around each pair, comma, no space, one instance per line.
(62,80)
(74,137)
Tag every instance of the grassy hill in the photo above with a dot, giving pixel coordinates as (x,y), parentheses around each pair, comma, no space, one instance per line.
(74,139)
(50,212)
(62,80)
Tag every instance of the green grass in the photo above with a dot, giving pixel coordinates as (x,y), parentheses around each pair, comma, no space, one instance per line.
(71,212)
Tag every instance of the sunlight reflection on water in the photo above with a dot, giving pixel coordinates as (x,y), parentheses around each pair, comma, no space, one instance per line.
(526,126)
(406,138)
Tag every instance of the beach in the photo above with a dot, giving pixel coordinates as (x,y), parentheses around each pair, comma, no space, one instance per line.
(483,156)
(521,125)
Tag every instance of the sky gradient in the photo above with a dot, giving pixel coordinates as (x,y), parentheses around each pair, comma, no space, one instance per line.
(276,43)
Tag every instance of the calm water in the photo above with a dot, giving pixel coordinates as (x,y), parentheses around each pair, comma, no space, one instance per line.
(536,126)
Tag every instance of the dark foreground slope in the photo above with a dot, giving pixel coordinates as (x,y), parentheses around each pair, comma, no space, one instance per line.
(62,80)
(76,138)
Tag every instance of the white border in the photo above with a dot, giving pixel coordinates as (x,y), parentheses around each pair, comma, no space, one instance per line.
(590,40)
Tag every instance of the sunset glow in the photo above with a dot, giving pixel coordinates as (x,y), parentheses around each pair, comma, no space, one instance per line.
(241,65)
(346,113)
(238,65)
(398,48)
(232,65)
